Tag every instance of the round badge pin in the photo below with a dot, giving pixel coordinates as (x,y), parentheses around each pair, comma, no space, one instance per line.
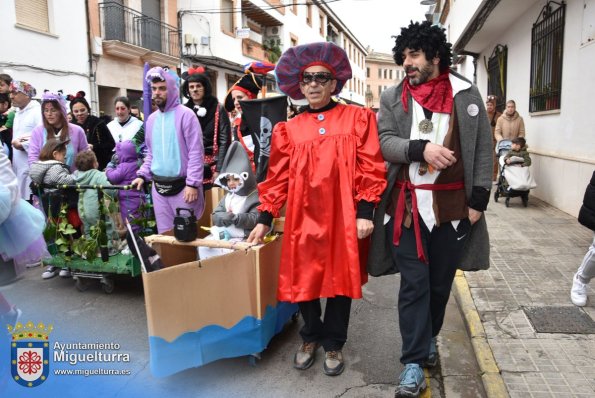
(472,110)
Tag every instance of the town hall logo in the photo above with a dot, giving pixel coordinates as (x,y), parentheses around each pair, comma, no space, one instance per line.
(29,353)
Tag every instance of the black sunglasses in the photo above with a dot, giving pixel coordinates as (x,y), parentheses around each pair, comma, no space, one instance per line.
(318,77)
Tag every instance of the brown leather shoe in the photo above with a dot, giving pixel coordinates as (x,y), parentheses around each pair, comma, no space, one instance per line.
(305,355)
(333,363)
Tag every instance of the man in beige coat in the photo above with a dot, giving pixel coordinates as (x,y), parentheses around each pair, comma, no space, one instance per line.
(510,125)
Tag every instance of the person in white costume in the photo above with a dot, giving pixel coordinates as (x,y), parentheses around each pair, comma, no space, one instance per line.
(126,127)
(27,117)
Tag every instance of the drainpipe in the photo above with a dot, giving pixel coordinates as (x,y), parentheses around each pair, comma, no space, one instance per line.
(475,58)
(94,102)
(180,34)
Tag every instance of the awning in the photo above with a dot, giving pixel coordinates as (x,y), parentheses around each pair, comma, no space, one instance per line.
(492,19)
(215,62)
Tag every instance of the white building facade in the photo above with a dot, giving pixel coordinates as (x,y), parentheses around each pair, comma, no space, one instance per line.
(124,35)
(42,46)
(381,73)
(224,35)
(540,54)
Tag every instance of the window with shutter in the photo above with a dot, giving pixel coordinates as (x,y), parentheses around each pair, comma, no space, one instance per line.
(33,14)
(227,17)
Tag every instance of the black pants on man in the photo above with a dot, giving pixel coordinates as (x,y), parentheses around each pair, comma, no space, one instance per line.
(331,332)
(425,288)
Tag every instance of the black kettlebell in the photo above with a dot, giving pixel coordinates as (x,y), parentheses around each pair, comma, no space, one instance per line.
(185,229)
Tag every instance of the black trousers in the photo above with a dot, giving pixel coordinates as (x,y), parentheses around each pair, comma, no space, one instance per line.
(425,288)
(331,332)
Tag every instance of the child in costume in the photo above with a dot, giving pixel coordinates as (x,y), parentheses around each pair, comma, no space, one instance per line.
(236,214)
(50,169)
(88,205)
(123,174)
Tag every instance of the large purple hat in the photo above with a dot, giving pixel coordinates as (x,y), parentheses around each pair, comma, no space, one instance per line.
(292,63)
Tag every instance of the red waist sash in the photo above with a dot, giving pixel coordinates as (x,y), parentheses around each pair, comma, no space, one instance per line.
(400,210)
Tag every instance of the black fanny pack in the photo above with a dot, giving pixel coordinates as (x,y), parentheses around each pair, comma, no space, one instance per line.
(169,186)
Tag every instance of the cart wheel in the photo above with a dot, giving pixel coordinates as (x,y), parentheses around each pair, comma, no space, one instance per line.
(525,200)
(81,284)
(496,195)
(507,202)
(107,285)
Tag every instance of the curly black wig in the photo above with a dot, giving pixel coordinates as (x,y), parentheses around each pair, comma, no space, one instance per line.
(423,36)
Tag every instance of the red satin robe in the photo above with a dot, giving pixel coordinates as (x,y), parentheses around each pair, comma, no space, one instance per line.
(322,164)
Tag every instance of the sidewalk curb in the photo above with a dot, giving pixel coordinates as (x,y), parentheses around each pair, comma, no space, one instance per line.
(490,373)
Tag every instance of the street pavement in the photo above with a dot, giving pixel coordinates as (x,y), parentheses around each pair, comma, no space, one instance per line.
(534,253)
(371,353)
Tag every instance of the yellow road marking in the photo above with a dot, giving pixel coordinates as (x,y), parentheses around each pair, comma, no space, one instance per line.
(427,393)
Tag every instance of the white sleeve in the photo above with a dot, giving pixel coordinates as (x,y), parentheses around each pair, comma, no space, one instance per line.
(8,179)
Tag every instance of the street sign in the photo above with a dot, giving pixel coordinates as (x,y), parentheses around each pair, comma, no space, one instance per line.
(243,33)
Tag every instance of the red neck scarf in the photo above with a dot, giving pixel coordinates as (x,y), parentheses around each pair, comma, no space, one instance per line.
(434,95)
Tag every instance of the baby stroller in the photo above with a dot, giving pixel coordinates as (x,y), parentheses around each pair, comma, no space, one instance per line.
(513,181)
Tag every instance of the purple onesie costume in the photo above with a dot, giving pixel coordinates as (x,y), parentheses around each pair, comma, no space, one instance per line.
(175,154)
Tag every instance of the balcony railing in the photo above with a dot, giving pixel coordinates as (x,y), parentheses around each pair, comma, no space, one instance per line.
(130,26)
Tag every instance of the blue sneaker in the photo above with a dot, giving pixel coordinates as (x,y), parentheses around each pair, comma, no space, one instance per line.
(432,359)
(411,382)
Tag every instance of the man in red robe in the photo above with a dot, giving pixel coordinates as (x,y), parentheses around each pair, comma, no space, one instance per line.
(326,164)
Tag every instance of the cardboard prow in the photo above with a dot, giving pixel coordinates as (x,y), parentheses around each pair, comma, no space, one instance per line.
(188,295)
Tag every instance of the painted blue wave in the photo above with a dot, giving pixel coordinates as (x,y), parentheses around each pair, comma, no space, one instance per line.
(213,342)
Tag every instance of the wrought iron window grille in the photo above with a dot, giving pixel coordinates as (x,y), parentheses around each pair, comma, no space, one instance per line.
(547,50)
(497,66)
